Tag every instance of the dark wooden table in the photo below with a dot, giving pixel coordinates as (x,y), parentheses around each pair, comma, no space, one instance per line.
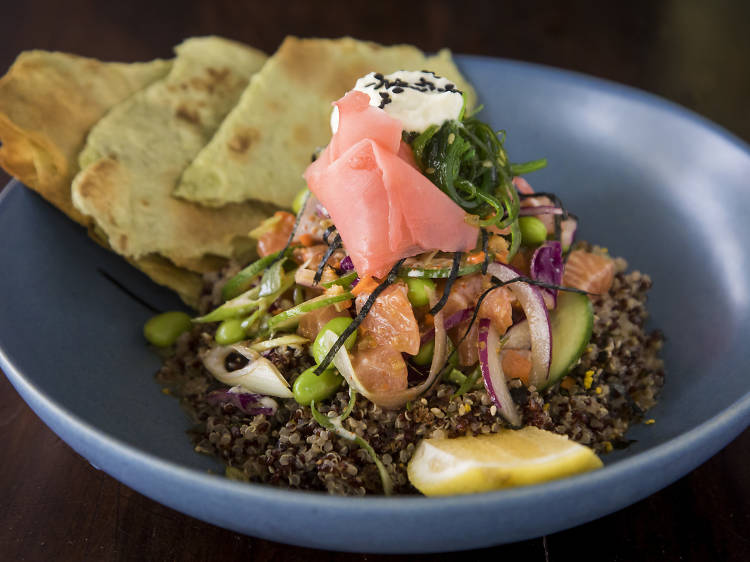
(55,506)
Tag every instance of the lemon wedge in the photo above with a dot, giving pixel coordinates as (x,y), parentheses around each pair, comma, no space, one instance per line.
(467,465)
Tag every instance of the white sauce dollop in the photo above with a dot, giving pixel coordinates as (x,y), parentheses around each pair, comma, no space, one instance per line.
(416,98)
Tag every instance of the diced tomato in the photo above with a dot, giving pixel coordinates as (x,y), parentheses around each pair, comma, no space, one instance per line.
(390,322)
(589,272)
(380,369)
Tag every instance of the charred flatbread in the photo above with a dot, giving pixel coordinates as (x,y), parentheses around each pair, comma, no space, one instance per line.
(265,143)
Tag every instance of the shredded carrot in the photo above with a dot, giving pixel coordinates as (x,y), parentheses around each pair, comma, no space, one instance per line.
(307,239)
(475,257)
(429,319)
(366,285)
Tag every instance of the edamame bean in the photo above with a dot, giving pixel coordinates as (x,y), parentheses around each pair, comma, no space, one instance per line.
(309,386)
(533,231)
(230,331)
(419,290)
(337,326)
(424,357)
(163,329)
(299,199)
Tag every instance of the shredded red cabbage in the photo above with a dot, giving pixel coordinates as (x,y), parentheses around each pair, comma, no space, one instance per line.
(346,265)
(246,402)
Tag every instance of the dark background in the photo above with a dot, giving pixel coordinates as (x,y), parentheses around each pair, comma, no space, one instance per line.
(54,505)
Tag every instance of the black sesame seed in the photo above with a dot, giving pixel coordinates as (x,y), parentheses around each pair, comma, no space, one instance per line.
(397,90)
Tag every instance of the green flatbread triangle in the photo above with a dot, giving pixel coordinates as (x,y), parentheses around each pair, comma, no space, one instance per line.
(134,157)
(265,143)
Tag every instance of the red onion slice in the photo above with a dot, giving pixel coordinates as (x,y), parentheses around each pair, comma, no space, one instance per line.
(492,372)
(568,232)
(547,266)
(517,337)
(540,210)
(259,376)
(537,317)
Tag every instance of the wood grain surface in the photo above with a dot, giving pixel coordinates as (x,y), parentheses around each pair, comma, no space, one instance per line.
(55,506)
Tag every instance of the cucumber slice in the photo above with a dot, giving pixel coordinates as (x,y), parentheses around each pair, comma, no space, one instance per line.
(440,272)
(438,267)
(571,321)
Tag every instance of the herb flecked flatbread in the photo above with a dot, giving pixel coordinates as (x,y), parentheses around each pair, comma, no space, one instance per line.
(265,143)
(134,156)
(48,103)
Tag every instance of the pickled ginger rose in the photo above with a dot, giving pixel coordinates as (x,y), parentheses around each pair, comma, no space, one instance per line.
(383,207)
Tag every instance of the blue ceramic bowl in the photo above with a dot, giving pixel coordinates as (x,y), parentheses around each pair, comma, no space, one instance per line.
(653,182)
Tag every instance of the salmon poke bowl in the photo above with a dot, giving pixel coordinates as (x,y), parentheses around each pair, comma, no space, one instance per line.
(477,303)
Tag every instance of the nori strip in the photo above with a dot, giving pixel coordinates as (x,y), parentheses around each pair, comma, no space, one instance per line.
(392,276)
(448,284)
(485,242)
(335,245)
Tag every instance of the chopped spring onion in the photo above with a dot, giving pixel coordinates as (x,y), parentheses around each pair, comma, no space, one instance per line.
(258,376)
(336,425)
(272,278)
(289,339)
(344,281)
(242,281)
(290,316)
